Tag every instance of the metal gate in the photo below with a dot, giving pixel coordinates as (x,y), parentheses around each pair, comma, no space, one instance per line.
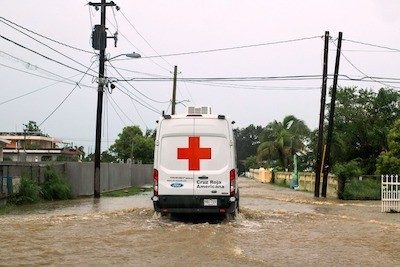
(390,193)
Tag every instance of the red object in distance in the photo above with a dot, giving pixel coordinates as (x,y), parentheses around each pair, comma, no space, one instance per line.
(194,153)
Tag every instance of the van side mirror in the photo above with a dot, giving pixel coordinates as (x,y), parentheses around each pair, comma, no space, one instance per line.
(233,122)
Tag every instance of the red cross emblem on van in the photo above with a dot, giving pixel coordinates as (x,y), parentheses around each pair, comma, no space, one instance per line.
(194,153)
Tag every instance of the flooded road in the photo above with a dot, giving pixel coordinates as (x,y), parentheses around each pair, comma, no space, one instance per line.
(276,227)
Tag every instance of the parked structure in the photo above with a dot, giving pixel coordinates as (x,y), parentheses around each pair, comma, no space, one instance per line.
(35,147)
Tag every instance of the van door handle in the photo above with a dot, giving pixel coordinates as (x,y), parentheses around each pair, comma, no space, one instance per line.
(203,177)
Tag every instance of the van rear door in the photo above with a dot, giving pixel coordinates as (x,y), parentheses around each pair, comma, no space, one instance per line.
(212,175)
(175,178)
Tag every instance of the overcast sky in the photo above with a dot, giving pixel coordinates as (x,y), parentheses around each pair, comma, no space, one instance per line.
(176,26)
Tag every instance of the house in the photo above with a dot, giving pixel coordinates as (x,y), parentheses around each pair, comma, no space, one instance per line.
(35,147)
(3,143)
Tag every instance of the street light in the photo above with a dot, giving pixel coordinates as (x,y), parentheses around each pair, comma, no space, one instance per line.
(130,55)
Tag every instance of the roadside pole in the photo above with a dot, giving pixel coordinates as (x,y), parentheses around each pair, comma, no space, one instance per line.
(102,41)
(174,91)
(321,117)
(327,161)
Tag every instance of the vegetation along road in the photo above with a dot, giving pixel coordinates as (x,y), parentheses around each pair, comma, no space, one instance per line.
(277,227)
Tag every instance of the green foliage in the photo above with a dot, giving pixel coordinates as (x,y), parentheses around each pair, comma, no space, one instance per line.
(29,192)
(252,163)
(55,187)
(366,189)
(389,161)
(247,141)
(348,170)
(362,121)
(31,126)
(281,140)
(107,156)
(132,143)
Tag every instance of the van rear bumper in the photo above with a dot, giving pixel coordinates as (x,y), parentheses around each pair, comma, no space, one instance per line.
(193,204)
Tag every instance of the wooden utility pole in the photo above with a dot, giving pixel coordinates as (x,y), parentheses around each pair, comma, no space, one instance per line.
(327,161)
(102,40)
(174,91)
(321,117)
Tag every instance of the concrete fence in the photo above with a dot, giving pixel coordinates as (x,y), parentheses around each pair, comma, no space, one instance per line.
(80,175)
(306,179)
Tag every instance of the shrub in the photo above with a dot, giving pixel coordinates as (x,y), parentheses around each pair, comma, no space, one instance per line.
(367,189)
(345,172)
(55,187)
(29,192)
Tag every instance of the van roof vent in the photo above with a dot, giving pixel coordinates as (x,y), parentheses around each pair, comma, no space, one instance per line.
(199,110)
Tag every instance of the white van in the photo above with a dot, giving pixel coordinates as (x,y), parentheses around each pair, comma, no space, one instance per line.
(195,165)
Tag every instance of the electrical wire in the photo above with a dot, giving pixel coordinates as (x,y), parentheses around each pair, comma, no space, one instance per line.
(29,64)
(128,93)
(31,92)
(49,47)
(126,116)
(362,72)
(44,56)
(372,45)
(126,38)
(116,112)
(247,78)
(233,47)
(137,111)
(149,98)
(65,98)
(136,30)
(47,38)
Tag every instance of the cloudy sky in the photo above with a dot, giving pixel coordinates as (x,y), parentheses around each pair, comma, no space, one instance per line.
(162,27)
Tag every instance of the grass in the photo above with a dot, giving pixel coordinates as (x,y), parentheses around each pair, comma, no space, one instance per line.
(126,192)
(367,189)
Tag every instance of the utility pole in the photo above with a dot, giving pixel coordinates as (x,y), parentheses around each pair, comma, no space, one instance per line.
(174,91)
(321,117)
(327,161)
(99,43)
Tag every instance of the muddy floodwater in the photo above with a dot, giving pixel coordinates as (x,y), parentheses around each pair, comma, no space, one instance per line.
(276,227)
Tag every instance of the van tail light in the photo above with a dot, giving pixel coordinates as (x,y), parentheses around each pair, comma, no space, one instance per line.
(155,181)
(232,179)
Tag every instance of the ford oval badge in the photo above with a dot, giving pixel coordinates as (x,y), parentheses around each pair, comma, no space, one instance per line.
(176,185)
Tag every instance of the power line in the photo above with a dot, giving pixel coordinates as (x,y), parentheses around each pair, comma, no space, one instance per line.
(234,47)
(136,30)
(363,73)
(373,45)
(65,98)
(29,64)
(246,78)
(51,48)
(149,98)
(129,94)
(126,116)
(31,92)
(126,38)
(116,112)
(140,116)
(48,38)
(46,57)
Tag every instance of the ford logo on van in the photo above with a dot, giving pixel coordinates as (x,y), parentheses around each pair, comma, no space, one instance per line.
(176,185)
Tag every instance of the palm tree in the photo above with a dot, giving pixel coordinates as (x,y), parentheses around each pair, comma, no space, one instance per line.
(281,140)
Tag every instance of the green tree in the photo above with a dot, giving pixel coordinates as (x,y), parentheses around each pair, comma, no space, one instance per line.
(389,161)
(281,140)
(362,121)
(31,126)
(247,141)
(131,143)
